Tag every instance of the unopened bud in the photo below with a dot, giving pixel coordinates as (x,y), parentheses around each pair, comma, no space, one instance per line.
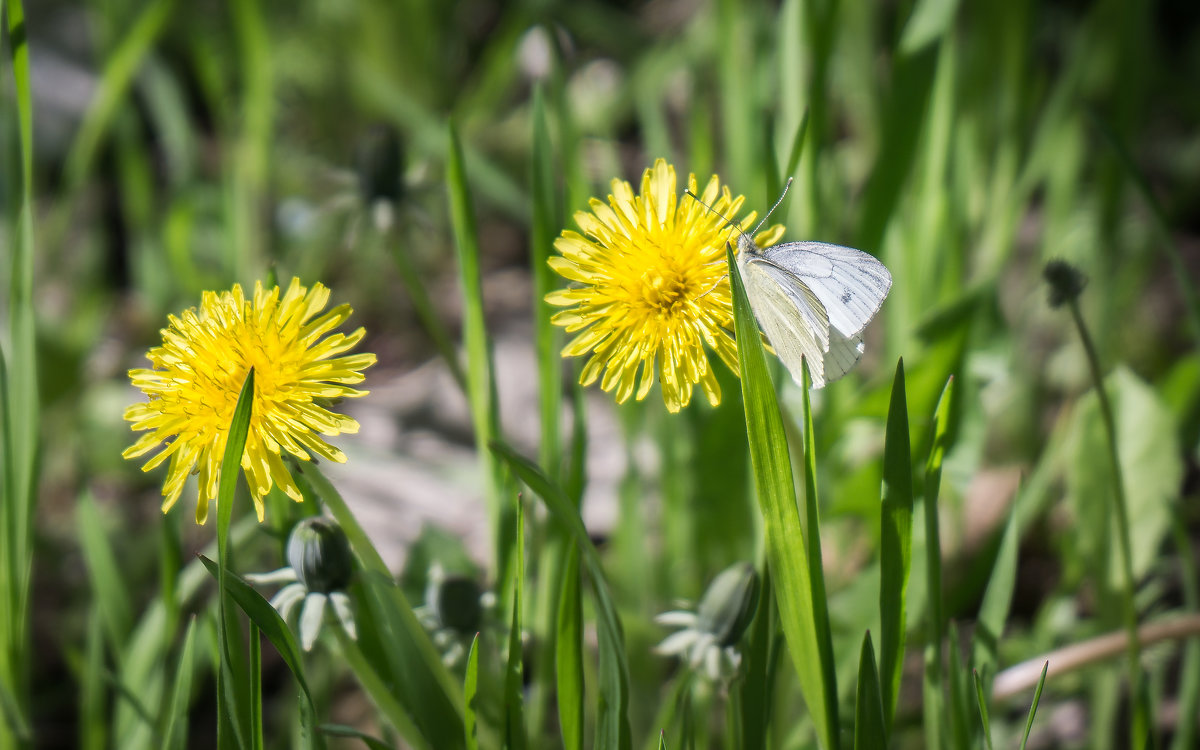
(320,554)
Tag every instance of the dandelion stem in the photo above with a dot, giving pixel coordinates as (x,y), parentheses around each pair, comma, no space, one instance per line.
(1120,504)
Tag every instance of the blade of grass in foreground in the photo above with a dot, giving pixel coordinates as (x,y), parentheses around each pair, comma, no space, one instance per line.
(781,519)
(423,682)
(934,698)
(1037,697)
(481,384)
(21,421)
(896,545)
(514,715)
(233,703)
(983,710)
(568,654)
(612,720)
(869,729)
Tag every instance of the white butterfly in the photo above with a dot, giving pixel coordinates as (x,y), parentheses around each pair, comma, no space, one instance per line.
(813,300)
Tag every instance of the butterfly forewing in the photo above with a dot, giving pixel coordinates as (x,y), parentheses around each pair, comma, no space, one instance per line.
(850,284)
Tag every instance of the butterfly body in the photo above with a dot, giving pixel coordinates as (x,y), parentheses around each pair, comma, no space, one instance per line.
(813,300)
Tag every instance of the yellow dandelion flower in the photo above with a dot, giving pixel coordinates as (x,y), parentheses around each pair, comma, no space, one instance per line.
(198,373)
(651,286)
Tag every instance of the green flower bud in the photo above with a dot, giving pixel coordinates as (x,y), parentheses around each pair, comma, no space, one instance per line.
(319,553)
(729,603)
(456,603)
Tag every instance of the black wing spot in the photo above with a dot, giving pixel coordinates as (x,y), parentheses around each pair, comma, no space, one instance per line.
(846,296)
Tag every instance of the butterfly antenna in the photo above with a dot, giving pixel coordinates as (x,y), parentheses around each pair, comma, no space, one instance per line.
(728,223)
(777,202)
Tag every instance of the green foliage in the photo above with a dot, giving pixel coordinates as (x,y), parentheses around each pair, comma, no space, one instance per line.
(964,144)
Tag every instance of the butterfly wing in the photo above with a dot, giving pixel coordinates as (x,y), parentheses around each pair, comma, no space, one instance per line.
(849,283)
(793,318)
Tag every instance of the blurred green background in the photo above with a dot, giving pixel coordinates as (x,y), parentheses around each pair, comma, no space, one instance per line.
(183,146)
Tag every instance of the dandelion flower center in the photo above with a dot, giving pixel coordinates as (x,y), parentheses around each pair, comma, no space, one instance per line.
(650,287)
(198,374)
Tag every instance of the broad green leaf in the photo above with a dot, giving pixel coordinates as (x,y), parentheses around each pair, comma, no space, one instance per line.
(1149,452)
(781,519)
(870,731)
(896,545)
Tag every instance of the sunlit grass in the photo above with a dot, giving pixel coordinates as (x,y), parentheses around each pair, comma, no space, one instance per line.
(964,145)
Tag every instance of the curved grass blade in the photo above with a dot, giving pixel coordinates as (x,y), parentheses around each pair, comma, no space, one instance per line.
(267,620)
(470,690)
(896,545)
(870,732)
(983,710)
(1037,697)
(568,654)
(380,691)
(340,730)
(781,519)
(612,721)
(233,702)
(119,71)
(418,665)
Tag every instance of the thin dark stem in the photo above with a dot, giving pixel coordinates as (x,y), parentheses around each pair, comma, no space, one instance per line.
(1120,505)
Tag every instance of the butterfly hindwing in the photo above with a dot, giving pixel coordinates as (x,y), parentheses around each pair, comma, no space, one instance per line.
(794,319)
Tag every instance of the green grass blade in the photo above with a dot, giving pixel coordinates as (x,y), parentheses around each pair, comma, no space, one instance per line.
(870,731)
(896,547)
(568,654)
(417,294)
(981,699)
(94,713)
(481,385)
(175,728)
(514,714)
(997,599)
(470,690)
(233,700)
(757,687)
(380,692)
(120,68)
(104,574)
(21,414)
(256,694)
(1189,688)
(340,730)
(612,721)
(268,621)
(547,218)
(1037,697)
(425,684)
(934,698)
(781,519)
(960,732)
